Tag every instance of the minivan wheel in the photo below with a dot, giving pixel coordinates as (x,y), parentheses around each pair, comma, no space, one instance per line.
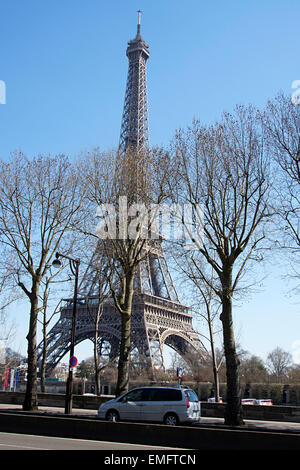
(112,416)
(171,419)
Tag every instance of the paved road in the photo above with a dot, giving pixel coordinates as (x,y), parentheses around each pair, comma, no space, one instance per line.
(15,441)
(250,424)
(12,441)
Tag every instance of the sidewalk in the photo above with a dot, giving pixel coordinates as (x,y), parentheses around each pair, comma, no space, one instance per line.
(275,426)
(50,409)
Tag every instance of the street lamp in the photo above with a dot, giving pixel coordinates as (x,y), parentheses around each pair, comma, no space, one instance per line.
(74,265)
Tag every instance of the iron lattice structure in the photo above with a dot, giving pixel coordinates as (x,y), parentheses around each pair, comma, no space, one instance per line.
(158,317)
(135,128)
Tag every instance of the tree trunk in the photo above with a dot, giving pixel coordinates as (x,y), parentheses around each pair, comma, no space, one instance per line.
(123,365)
(44,355)
(31,401)
(125,344)
(44,359)
(216,384)
(233,412)
(214,359)
(96,356)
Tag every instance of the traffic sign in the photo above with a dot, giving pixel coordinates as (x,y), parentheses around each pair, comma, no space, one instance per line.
(73,361)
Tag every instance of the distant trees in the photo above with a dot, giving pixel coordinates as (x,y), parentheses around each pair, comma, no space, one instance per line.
(277,368)
(86,369)
(253,369)
(278,364)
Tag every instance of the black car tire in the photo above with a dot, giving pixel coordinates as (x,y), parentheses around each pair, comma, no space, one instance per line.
(112,415)
(171,419)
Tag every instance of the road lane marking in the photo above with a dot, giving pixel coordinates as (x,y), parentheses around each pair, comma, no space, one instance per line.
(128,444)
(23,447)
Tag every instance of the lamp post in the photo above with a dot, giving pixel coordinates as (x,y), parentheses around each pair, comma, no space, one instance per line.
(74,265)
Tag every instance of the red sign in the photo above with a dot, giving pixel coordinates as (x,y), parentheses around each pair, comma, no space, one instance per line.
(73,361)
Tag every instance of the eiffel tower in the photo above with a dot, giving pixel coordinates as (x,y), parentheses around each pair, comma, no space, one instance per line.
(158,317)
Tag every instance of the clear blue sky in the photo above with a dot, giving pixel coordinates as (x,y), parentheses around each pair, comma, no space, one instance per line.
(64,65)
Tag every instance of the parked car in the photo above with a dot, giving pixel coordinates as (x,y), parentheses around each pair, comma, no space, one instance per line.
(166,405)
(249,401)
(254,401)
(264,402)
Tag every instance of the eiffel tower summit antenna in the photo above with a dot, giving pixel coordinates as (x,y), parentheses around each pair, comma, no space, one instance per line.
(139,22)
(158,317)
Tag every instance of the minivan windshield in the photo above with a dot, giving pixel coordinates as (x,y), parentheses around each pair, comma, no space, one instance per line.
(191,395)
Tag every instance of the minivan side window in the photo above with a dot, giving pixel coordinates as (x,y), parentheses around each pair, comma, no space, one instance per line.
(135,395)
(157,394)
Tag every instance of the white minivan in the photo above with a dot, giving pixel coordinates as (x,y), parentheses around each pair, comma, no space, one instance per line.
(166,405)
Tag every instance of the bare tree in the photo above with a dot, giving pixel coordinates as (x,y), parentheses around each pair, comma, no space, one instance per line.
(46,319)
(224,170)
(281,120)
(138,179)
(210,313)
(278,362)
(253,369)
(39,202)
(102,280)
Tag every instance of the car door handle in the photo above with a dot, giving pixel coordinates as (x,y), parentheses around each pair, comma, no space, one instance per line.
(140,404)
